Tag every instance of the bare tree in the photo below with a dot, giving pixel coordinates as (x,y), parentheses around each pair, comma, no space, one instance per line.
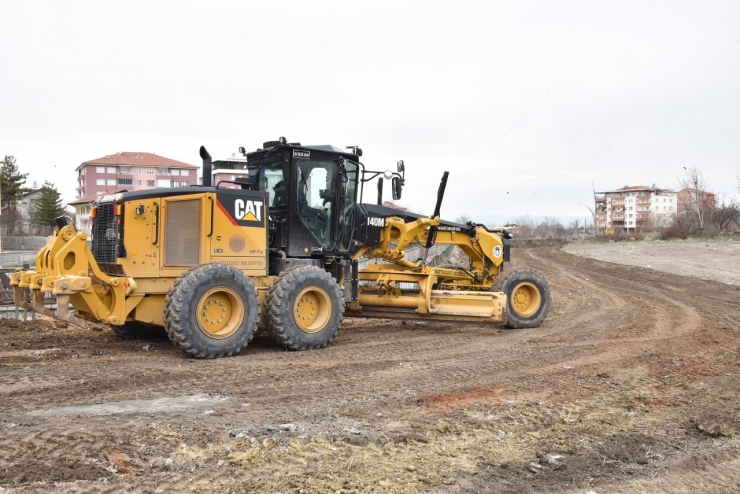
(592,210)
(550,227)
(463,218)
(645,223)
(725,212)
(694,200)
(525,226)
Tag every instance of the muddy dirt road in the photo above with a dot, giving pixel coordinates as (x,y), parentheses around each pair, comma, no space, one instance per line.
(632,384)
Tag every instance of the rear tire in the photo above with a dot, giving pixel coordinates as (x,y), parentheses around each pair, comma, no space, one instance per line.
(211,311)
(527,298)
(304,308)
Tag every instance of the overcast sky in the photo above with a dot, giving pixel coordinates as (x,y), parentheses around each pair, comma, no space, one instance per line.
(525,103)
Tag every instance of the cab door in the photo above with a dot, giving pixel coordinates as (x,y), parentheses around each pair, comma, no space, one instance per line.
(316,185)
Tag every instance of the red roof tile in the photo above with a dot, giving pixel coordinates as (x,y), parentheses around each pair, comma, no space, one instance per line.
(90,199)
(137,159)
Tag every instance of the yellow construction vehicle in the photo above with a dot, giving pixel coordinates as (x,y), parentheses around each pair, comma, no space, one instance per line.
(282,251)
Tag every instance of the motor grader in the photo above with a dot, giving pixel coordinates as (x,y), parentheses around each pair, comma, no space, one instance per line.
(280,250)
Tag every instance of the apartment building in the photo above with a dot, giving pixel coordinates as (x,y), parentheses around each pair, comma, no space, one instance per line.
(132,171)
(692,199)
(635,208)
(228,170)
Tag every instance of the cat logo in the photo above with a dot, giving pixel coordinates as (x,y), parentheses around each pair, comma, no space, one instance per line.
(246,210)
(242,211)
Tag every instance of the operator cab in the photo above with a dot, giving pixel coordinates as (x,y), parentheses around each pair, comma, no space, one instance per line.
(312,194)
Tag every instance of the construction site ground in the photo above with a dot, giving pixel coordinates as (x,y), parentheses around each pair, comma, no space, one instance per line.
(630,385)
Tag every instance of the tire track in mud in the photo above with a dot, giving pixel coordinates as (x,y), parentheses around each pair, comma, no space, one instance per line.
(374,366)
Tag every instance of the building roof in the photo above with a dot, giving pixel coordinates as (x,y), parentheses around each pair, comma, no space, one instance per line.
(702,192)
(30,191)
(637,188)
(137,159)
(91,199)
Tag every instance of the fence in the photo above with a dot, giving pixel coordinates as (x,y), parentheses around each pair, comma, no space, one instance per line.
(23,242)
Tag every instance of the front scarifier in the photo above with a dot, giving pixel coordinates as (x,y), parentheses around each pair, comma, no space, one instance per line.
(66,268)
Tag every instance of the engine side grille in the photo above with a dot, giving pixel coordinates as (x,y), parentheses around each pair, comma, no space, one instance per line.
(105,233)
(182,233)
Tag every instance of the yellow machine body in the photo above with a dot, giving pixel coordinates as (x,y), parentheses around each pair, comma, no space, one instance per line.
(163,238)
(406,289)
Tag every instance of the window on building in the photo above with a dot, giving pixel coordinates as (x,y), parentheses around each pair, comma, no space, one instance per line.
(136,182)
(174,171)
(124,170)
(175,184)
(125,181)
(111,181)
(162,171)
(100,181)
(150,171)
(100,169)
(163,182)
(111,169)
(185,184)
(185,173)
(137,171)
(150,183)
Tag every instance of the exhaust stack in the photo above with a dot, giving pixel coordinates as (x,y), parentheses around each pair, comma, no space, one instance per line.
(206,166)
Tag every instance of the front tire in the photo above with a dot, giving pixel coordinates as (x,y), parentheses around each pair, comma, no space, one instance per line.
(211,311)
(527,298)
(304,308)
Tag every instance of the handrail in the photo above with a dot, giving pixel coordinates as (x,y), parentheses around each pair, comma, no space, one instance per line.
(156,223)
(213,206)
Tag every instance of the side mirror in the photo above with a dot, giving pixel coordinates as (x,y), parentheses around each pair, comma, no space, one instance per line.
(396,186)
(400,166)
(380,192)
